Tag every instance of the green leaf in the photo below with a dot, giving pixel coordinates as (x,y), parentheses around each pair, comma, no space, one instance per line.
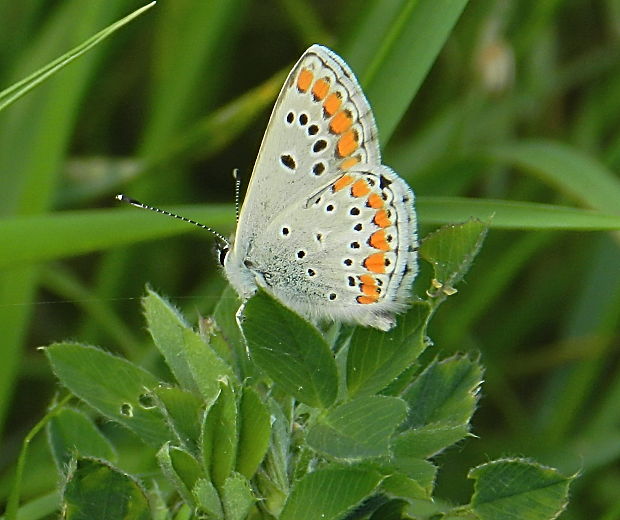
(567,169)
(112,385)
(219,436)
(167,327)
(405,477)
(400,485)
(428,440)
(254,432)
(446,393)
(290,351)
(451,250)
(182,410)
(72,433)
(212,335)
(518,489)
(277,458)
(17,90)
(207,368)
(376,358)
(392,34)
(181,469)
(422,471)
(207,498)
(237,497)
(509,214)
(329,493)
(226,323)
(361,427)
(392,510)
(98,491)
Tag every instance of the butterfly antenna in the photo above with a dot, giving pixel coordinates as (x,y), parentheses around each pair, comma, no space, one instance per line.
(237,178)
(138,204)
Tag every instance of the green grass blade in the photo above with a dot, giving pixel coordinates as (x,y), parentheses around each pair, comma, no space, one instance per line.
(77,232)
(21,88)
(189,46)
(505,214)
(67,234)
(392,62)
(570,171)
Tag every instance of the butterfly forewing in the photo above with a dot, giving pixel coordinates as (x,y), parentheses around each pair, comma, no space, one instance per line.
(321,124)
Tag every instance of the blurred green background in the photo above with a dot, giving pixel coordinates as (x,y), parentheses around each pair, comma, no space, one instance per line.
(522,103)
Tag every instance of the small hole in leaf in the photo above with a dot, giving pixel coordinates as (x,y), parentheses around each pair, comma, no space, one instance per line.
(146,401)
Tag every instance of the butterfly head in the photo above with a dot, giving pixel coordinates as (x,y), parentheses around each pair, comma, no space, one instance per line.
(239,271)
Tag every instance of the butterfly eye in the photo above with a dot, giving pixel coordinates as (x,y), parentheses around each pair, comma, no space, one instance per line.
(221,254)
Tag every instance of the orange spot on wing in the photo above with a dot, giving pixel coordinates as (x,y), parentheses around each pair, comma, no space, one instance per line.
(347,143)
(378,240)
(332,103)
(320,89)
(381,219)
(348,163)
(366,299)
(304,80)
(343,182)
(375,263)
(370,290)
(367,279)
(374,201)
(360,188)
(341,122)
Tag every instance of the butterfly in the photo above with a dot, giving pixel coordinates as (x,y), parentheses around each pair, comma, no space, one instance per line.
(325,227)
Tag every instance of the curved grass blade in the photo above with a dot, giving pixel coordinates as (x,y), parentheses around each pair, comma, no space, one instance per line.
(19,89)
